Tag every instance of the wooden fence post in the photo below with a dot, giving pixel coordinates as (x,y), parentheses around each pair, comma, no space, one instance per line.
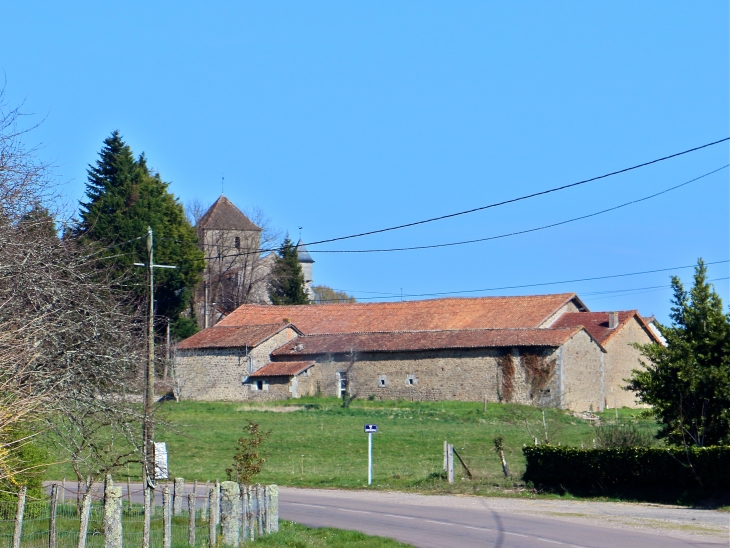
(178,494)
(230,510)
(147,520)
(274,508)
(166,519)
(113,517)
(19,512)
(191,519)
(52,517)
(129,492)
(450,463)
(260,508)
(84,522)
(206,502)
(242,489)
(63,490)
(212,529)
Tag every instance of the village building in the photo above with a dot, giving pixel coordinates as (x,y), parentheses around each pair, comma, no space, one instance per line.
(236,271)
(545,350)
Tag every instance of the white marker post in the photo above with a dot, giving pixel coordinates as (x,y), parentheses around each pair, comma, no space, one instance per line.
(370,429)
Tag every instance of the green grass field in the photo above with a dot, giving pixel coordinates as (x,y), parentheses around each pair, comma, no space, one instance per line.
(317,443)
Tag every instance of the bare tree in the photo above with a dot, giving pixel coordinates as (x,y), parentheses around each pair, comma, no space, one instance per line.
(69,341)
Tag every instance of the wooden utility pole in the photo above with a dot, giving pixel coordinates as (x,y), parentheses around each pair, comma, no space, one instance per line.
(148,427)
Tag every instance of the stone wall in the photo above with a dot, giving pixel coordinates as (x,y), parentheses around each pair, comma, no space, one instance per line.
(570,306)
(581,374)
(621,359)
(466,375)
(217,374)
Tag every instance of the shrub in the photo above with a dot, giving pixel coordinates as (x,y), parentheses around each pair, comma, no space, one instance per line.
(646,472)
(248,460)
(610,436)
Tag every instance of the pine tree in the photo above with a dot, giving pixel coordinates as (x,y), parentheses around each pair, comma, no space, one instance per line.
(287,286)
(687,382)
(124,197)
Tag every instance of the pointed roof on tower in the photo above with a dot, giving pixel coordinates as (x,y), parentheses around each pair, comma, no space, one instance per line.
(302,253)
(223,215)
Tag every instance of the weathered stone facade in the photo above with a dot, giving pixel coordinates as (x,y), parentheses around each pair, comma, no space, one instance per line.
(546,350)
(219,374)
(500,375)
(621,359)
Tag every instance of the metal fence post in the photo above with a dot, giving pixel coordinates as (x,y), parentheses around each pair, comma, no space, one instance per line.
(450,462)
(166,519)
(19,512)
(191,519)
(177,496)
(52,517)
(84,523)
(230,510)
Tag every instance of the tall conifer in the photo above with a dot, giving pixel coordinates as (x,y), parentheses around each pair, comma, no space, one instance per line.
(287,286)
(123,198)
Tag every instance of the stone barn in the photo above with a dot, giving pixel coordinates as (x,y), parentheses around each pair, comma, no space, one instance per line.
(546,350)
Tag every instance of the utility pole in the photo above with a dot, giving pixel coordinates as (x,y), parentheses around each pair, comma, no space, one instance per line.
(148,432)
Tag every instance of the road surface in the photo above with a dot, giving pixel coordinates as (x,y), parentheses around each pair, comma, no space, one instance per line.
(428,521)
(455,522)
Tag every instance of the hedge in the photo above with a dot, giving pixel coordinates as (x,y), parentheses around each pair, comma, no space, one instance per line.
(629,470)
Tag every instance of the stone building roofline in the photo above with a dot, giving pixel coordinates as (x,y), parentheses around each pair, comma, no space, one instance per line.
(234,337)
(404,341)
(223,215)
(597,323)
(282,369)
(452,313)
(302,253)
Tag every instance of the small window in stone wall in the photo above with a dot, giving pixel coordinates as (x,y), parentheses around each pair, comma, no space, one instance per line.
(259,385)
(382,381)
(411,380)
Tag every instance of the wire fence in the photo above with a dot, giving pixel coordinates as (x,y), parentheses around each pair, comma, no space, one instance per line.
(226,514)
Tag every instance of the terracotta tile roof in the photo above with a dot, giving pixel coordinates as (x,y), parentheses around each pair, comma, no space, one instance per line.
(282,369)
(336,343)
(434,314)
(596,323)
(232,337)
(223,215)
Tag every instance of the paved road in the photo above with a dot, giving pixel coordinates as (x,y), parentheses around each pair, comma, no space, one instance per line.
(455,522)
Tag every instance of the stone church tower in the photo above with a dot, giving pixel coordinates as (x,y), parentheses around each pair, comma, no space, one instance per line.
(235,271)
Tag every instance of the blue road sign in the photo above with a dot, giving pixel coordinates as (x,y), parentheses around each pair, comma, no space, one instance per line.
(371,428)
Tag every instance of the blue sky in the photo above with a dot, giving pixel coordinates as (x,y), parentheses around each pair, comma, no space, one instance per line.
(343,117)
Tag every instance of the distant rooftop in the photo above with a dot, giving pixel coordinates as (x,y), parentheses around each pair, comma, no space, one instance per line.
(303,254)
(223,215)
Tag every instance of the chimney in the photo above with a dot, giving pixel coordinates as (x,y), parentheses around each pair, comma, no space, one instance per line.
(612,320)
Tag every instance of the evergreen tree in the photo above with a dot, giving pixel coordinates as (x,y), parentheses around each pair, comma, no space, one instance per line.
(124,197)
(687,382)
(287,280)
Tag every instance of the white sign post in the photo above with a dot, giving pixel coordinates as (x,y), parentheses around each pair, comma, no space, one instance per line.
(370,429)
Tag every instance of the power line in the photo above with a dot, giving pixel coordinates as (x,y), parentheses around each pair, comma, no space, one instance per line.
(513,200)
(536,229)
(488,238)
(541,284)
(489,206)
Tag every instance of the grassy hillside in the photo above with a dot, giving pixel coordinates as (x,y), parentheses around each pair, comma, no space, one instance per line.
(315,442)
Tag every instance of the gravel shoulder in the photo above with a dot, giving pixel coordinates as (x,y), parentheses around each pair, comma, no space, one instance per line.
(677,521)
